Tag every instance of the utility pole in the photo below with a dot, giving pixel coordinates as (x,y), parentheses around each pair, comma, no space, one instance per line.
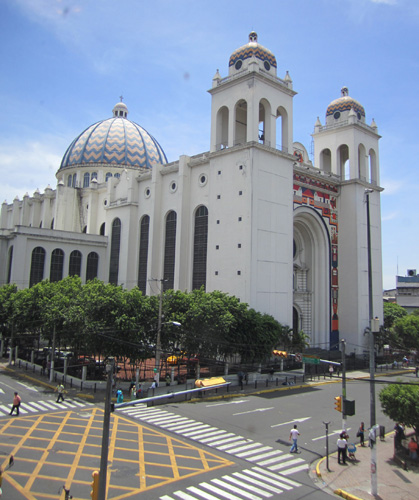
(103,473)
(343,384)
(371,349)
(51,372)
(327,445)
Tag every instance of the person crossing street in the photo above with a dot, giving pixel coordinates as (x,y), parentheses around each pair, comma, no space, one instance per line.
(294,436)
(60,390)
(16,404)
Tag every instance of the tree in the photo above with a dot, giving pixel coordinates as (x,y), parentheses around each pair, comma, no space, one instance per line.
(392,312)
(401,404)
(405,333)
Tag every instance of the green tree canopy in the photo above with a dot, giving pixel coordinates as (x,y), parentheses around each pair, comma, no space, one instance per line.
(405,334)
(392,312)
(401,404)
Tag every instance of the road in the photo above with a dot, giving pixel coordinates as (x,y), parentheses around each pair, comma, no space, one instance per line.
(232,449)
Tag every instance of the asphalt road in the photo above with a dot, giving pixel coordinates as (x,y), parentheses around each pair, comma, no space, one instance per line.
(236,449)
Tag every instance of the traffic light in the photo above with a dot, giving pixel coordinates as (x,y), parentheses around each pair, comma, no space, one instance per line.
(338,403)
(281,354)
(95,485)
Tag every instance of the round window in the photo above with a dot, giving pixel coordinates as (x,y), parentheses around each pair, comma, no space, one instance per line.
(336,115)
(238,64)
(173,186)
(202,180)
(267,65)
(147,192)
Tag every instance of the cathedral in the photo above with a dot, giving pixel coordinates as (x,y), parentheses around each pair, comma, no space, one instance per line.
(289,231)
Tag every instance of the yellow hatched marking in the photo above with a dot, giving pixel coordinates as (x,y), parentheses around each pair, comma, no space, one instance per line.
(157,458)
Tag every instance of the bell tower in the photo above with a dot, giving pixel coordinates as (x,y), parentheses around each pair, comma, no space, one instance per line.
(252,104)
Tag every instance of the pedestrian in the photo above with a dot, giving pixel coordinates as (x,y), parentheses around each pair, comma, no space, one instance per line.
(361,433)
(60,390)
(168,380)
(398,435)
(342,446)
(16,404)
(294,436)
(413,449)
(156,379)
(153,385)
(138,393)
(331,371)
(119,396)
(133,393)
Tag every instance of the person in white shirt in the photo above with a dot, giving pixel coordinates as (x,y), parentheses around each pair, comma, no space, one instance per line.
(342,446)
(294,436)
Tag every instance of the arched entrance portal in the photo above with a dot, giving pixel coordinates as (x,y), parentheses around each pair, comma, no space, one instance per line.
(311,311)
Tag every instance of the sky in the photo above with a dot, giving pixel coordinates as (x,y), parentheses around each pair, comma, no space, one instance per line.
(65,63)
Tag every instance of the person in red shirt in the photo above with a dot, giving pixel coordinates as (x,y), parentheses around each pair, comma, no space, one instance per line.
(413,449)
(16,404)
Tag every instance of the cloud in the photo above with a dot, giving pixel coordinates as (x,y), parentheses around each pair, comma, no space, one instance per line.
(390,216)
(26,166)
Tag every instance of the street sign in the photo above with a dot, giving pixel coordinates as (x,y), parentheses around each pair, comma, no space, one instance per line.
(298,357)
(311,361)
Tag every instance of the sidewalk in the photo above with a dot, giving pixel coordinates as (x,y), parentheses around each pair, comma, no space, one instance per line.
(353,481)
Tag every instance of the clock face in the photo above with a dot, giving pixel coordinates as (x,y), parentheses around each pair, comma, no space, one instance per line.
(238,64)
(336,115)
(267,65)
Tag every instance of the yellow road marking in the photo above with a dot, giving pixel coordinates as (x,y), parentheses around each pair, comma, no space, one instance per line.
(62,448)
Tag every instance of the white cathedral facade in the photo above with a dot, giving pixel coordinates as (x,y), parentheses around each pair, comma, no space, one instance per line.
(254,216)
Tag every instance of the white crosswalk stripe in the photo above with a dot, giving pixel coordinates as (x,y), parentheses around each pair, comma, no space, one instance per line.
(246,449)
(42,406)
(249,484)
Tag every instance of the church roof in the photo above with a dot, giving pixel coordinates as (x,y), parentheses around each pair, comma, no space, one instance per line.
(114,141)
(252,49)
(345,103)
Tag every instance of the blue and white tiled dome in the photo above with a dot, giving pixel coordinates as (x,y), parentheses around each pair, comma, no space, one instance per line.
(116,142)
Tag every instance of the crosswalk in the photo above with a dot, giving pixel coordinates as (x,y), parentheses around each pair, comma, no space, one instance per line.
(27,408)
(249,484)
(270,458)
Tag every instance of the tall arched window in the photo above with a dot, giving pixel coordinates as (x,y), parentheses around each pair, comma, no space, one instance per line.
(57,265)
(86,180)
(92,265)
(199,270)
(37,266)
(170,251)
(102,229)
(108,176)
(74,180)
(69,180)
(143,254)
(74,268)
(115,247)
(9,264)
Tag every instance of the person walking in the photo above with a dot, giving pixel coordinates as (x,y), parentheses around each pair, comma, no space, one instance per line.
(16,404)
(361,434)
(60,390)
(119,396)
(413,449)
(133,393)
(342,446)
(294,436)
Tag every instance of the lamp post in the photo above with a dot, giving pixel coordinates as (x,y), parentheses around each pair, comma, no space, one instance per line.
(158,340)
(103,473)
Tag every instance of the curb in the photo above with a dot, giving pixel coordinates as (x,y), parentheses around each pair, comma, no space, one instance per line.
(346,495)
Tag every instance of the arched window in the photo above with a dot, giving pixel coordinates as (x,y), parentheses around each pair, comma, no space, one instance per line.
(199,271)
(9,264)
(86,180)
(74,268)
(115,247)
(108,175)
(70,180)
(92,265)
(57,265)
(222,128)
(102,230)
(170,251)
(37,266)
(94,176)
(240,123)
(117,175)
(84,229)
(74,180)
(143,254)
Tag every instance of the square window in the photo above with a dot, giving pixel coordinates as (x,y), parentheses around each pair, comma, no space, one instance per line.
(217,247)
(219,172)
(218,197)
(241,167)
(218,221)
(239,272)
(240,219)
(216,273)
(239,245)
(240,193)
